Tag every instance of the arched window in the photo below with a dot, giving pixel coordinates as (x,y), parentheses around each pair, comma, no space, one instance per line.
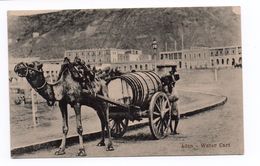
(222,61)
(233,61)
(227,61)
(240,60)
(217,61)
(180,64)
(227,52)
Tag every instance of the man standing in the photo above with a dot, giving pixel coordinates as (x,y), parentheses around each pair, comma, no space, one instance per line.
(168,82)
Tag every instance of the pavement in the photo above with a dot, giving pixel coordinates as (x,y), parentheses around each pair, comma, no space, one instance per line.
(191,102)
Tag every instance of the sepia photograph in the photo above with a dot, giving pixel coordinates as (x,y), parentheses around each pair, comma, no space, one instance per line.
(125,82)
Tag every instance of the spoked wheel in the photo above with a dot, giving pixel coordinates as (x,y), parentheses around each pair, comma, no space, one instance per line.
(118,126)
(159,115)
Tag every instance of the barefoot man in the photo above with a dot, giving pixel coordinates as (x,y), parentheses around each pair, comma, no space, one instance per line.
(168,82)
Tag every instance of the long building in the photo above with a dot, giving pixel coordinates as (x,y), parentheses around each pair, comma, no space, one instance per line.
(194,58)
(203,57)
(104,55)
(128,60)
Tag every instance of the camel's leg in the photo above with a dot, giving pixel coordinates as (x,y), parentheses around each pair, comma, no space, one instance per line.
(65,128)
(106,108)
(102,118)
(110,145)
(77,107)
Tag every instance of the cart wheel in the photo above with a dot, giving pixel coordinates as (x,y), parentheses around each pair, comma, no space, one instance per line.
(118,126)
(159,115)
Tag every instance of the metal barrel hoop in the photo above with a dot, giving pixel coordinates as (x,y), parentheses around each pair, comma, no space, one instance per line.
(151,78)
(156,77)
(133,85)
(147,87)
(140,89)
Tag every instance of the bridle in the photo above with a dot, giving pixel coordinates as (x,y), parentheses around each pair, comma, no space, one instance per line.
(37,89)
(36,70)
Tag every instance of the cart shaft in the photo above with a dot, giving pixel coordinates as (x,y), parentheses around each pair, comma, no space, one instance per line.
(121,105)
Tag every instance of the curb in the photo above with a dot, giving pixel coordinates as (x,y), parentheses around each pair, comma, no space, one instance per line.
(95,135)
(203,109)
(69,141)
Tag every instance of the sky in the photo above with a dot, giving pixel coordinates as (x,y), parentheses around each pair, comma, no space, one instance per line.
(29,12)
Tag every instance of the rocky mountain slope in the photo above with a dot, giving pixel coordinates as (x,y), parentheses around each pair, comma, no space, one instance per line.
(121,28)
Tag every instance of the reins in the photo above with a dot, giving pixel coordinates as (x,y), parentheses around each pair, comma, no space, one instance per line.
(27,70)
(41,87)
(39,71)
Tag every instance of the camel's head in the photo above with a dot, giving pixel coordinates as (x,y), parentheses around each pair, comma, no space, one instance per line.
(28,69)
(33,73)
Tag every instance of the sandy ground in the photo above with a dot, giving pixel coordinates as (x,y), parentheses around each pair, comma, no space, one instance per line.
(23,132)
(218,131)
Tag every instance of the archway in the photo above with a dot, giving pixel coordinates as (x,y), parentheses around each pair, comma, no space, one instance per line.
(212,62)
(180,64)
(240,60)
(233,61)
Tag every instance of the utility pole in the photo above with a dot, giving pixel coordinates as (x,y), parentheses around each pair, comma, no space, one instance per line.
(154,46)
(34,107)
(182,45)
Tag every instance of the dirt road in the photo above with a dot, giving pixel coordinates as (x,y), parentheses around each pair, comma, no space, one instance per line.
(200,134)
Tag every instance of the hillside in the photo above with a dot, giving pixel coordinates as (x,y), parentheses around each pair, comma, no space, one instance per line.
(121,28)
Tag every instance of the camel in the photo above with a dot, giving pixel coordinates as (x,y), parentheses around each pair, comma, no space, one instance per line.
(67,90)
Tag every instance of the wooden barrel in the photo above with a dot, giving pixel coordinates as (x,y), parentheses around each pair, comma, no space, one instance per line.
(135,88)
